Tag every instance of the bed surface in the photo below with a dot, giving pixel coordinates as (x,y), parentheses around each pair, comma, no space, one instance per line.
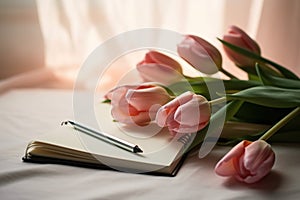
(28,113)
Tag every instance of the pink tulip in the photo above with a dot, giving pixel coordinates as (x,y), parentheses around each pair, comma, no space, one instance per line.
(238,37)
(137,104)
(200,54)
(157,67)
(247,162)
(187,113)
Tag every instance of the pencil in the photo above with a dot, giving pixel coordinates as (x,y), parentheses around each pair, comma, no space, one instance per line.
(105,137)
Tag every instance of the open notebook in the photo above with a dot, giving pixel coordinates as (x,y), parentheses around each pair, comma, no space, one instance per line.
(162,154)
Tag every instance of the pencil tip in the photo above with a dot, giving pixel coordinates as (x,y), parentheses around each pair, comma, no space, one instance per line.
(67,122)
(137,149)
(63,123)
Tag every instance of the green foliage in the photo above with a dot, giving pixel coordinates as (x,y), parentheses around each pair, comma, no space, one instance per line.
(201,86)
(271,93)
(269,96)
(270,80)
(106,101)
(285,72)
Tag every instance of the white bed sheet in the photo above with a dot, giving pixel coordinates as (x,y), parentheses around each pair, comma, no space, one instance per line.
(26,114)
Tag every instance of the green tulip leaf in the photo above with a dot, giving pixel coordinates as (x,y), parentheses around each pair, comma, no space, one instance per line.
(106,101)
(201,86)
(287,73)
(238,85)
(231,86)
(223,141)
(254,113)
(268,79)
(269,96)
(280,137)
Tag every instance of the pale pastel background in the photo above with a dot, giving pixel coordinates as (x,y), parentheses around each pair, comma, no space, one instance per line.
(44,42)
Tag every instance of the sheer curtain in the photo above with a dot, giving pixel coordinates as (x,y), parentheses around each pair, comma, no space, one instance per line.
(72,29)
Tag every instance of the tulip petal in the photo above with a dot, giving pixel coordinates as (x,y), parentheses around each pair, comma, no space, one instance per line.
(256,153)
(262,171)
(200,54)
(193,112)
(240,60)
(166,113)
(239,38)
(158,67)
(247,162)
(227,166)
(161,117)
(178,128)
(180,100)
(159,73)
(137,104)
(251,44)
(197,57)
(141,118)
(115,90)
(144,99)
(259,160)
(188,113)
(160,58)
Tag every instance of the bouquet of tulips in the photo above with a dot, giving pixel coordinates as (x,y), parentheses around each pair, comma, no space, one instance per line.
(188,105)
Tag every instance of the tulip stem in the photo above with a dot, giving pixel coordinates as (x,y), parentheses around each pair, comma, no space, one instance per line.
(228,74)
(217,101)
(280,124)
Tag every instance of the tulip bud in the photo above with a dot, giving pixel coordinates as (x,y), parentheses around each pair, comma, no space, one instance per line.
(200,54)
(238,37)
(137,104)
(187,113)
(248,161)
(157,67)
